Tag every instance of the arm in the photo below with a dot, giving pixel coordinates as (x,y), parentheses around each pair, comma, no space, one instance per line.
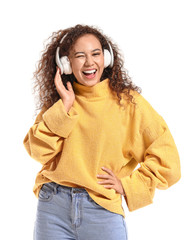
(45,138)
(157,154)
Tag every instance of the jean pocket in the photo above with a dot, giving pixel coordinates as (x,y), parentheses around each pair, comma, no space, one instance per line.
(46,193)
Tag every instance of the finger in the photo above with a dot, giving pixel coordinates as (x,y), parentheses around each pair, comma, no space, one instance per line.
(57,77)
(58,81)
(103,176)
(58,70)
(69,85)
(108,170)
(110,181)
(108,186)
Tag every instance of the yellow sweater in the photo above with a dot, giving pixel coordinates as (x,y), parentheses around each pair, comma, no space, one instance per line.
(97,132)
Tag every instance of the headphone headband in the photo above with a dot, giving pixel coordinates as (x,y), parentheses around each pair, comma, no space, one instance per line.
(63,38)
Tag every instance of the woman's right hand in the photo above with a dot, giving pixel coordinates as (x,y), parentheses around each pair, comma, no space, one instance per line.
(67,96)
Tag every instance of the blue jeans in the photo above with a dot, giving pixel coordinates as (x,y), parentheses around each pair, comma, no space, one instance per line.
(70,213)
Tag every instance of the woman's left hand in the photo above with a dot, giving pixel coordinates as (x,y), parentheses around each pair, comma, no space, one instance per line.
(111,181)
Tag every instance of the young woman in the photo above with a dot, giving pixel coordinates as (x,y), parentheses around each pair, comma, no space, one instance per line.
(93,129)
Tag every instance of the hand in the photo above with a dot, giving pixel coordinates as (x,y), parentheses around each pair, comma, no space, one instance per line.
(111,181)
(67,96)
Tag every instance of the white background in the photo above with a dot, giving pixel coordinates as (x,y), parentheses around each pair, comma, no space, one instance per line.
(157,42)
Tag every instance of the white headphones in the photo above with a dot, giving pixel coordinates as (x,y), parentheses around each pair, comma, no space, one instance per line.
(64,64)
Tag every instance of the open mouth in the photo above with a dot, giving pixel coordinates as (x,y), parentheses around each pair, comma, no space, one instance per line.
(90,73)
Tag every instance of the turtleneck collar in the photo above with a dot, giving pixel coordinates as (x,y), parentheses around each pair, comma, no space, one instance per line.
(99,90)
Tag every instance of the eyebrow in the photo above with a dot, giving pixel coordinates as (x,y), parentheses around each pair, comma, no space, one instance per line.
(97,49)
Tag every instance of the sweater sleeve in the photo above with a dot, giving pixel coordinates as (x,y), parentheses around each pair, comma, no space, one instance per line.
(45,138)
(155,150)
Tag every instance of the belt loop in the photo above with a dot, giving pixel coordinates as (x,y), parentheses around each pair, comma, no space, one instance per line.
(56,188)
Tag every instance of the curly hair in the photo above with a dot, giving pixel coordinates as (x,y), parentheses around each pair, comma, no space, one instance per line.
(44,87)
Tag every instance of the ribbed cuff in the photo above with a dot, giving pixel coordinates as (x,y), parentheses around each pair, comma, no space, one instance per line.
(137,193)
(59,121)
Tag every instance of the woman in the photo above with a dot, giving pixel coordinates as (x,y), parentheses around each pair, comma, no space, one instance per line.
(93,129)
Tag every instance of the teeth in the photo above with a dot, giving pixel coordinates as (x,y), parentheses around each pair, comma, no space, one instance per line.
(90,72)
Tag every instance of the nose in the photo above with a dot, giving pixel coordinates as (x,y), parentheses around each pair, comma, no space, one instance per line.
(89,61)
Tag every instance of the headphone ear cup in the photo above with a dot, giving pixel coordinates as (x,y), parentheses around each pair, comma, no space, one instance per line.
(66,65)
(58,62)
(107,58)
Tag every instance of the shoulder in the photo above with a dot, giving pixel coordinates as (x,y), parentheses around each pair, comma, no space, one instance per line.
(144,112)
(40,114)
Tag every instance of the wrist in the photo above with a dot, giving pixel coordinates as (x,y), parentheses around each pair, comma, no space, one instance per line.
(67,107)
(123,194)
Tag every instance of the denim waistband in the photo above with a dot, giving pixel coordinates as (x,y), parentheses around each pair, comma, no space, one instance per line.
(57,187)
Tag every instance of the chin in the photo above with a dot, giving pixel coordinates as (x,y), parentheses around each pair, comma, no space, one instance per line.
(88,82)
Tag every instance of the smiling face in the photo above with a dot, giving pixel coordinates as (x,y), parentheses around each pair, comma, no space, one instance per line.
(87,60)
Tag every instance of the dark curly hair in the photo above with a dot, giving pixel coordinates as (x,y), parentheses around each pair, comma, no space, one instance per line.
(44,87)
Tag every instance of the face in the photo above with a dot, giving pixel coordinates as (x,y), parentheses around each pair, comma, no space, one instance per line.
(87,60)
